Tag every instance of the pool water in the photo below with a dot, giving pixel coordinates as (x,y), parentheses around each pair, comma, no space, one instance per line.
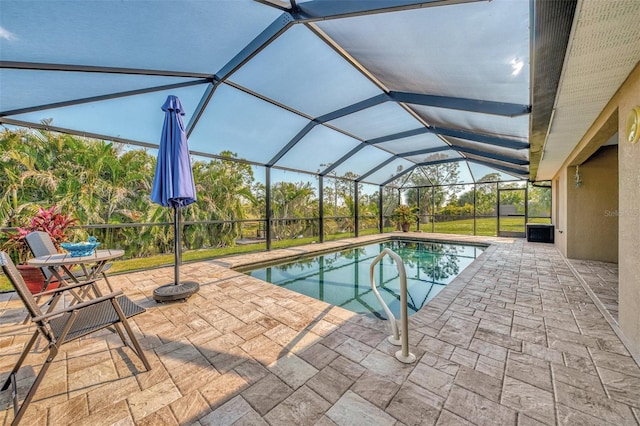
(342,278)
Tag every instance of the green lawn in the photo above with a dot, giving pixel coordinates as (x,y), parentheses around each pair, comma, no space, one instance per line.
(484,226)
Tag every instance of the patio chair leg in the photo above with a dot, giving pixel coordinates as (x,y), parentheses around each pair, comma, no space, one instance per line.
(136,346)
(23,356)
(119,331)
(104,275)
(27,400)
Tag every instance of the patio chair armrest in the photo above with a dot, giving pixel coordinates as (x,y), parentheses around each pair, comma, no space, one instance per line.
(78,306)
(64,288)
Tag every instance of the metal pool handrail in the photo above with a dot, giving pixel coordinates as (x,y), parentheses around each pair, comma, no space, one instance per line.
(396,339)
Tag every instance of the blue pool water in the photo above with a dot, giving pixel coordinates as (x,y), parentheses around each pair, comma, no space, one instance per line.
(342,278)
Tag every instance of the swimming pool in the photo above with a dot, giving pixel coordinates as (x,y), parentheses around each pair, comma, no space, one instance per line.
(342,278)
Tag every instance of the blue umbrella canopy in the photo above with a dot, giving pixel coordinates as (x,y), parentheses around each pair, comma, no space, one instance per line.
(173,182)
(173,186)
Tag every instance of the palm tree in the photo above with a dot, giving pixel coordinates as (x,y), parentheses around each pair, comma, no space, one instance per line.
(291,203)
(15,163)
(224,189)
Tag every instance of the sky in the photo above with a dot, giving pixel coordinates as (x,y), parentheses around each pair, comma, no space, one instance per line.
(300,74)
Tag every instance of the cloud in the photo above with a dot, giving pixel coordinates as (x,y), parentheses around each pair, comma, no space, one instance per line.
(517,65)
(7,35)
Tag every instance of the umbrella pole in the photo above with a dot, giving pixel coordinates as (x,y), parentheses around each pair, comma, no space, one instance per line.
(178,290)
(177,241)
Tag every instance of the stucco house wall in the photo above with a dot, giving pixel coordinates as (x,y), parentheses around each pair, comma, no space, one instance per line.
(571,221)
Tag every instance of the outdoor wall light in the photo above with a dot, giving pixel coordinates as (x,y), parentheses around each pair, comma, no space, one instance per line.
(633,125)
(578,180)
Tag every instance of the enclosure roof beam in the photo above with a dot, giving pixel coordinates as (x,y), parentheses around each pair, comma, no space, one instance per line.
(461,134)
(335,9)
(342,159)
(103,97)
(274,5)
(425,151)
(47,127)
(479,137)
(464,104)
(507,169)
(301,134)
(399,175)
(506,159)
(358,106)
(40,66)
(375,169)
(400,135)
(116,139)
(443,161)
(262,40)
(197,113)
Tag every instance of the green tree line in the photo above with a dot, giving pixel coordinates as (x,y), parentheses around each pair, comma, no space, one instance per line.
(105,183)
(100,182)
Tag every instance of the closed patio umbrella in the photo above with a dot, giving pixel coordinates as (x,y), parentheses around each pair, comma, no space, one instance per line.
(173,187)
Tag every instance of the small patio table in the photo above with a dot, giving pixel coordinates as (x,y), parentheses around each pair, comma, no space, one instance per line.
(91,266)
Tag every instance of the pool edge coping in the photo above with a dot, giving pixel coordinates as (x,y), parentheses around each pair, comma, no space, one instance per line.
(246,262)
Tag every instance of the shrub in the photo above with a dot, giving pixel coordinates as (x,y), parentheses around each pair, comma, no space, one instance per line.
(50,221)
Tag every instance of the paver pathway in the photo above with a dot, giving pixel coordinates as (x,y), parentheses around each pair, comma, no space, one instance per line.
(602,279)
(514,340)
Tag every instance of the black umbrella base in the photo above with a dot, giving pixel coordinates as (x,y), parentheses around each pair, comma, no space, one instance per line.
(172,292)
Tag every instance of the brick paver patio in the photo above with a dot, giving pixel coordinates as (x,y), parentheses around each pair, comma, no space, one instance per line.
(602,279)
(514,340)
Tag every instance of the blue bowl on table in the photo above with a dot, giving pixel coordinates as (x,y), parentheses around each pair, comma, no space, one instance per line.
(84,248)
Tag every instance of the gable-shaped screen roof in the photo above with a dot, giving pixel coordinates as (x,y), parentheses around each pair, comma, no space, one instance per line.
(371,89)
